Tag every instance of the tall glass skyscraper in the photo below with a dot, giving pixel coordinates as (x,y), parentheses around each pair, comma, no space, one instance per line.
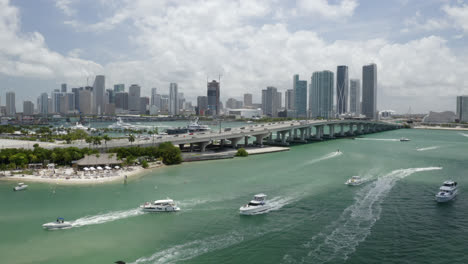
(98,94)
(321,94)
(355,97)
(462,108)
(369,91)
(173,99)
(300,96)
(213,94)
(342,89)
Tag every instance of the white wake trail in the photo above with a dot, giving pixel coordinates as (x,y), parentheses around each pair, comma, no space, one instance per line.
(379,139)
(328,156)
(463,134)
(341,238)
(427,148)
(107,217)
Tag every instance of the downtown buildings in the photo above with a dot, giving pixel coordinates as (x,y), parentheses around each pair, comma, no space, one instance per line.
(462,108)
(369,91)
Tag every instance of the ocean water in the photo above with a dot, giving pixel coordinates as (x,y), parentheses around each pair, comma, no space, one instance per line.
(391,218)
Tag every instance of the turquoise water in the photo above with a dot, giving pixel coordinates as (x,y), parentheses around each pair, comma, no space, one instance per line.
(392,218)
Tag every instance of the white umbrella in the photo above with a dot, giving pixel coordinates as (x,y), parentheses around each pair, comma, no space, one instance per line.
(92,168)
(117,167)
(99,168)
(108,168)
(86,168)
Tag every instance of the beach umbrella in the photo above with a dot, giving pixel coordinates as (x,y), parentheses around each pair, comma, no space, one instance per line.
(86,168)
(108,168)
(117,167)
(99,168)
(92,168)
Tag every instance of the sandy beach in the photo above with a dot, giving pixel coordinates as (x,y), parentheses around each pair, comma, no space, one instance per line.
(70,177)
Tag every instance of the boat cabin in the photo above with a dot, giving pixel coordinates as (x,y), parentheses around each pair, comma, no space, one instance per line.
(450,184)
(164,202)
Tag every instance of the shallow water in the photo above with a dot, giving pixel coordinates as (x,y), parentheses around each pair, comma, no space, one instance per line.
(391,218)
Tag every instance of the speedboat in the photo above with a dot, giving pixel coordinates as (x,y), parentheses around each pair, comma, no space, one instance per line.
(167,205)
(21,186)
(60,223)
(353,181)
(403,139)
(257,206)
(447,192)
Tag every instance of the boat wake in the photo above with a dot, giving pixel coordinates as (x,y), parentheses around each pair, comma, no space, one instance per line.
(328,156)
(464,134)
(192,249)
(340,239)
(427,148)
(107,217)
(379,139)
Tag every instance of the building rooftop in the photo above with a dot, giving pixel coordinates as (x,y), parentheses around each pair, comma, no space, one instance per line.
(103,159)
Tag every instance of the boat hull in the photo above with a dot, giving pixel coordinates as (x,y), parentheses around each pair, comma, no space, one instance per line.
(445,198)
(54,225)
(18,188)
(254,210)
(160,209)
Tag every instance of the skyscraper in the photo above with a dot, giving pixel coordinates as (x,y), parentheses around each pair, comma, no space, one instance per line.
(321,94)
(44,99)
(121,101)
(270,101)
(98,94)
(247,100)
(173,99)
(342,84)
(154,95)
(134,97)
(289,99)
(300,96)
(213,94)
(28,108)
(355,97)
(462,108)
(86,100)
(118,88)
(202,105)
(56,94)
(144,102)
(63,88)
(76,92)
(369,91)
(10,103)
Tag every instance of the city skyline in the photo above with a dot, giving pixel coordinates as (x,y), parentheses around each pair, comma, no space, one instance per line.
(88,46)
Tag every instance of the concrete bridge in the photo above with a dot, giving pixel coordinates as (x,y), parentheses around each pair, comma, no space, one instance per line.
(276,133)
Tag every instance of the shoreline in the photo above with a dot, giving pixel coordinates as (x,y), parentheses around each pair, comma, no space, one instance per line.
(441,128)
(89,180)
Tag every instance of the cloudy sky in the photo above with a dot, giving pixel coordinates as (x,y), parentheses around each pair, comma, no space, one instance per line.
(420,47)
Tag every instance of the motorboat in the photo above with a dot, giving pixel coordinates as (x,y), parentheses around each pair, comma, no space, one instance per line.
(256,206)
(194,126)
(353,181)
(121,125)
(167,205)
(20,186)
(447,192)
(60,223)
(79,126)
(403,139)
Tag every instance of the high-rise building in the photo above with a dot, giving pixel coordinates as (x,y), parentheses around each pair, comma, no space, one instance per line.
(63,88)
(181,101)
(462,108)
(321,94)
(355,97)
(63,105)
(213,94)
(86,100)
(28,108)
(44,99)
(10,104)
(70,102)
(232,103)
(369,91)
(173,99)
(279,98)
(289,99)
(98,94)
(110,97)
(144,102)
(119,88)
(154,96)
(121,101)
(270,101)
(164,103)
(342,85)
(134,97)
(76,92)
(300,96)
(247,100)
(56,95)
(202,105)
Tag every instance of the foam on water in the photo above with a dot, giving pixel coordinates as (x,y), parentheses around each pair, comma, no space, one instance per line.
(427,148)
(325,157)
(107,217)
(340,239)
(379,139)
(192,249)
(463,134)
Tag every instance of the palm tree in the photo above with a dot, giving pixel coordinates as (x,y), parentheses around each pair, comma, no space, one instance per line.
(96,141)
(89,140)
(131,138)
(106,138)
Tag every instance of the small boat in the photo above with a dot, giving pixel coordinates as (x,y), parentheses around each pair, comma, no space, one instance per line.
(167,205)
(257,206)
(353,181)
(447,192)
(403,139)
(21,186)
(60,223)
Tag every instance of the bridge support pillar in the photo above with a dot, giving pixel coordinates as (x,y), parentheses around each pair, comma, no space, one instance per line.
(302,131)
(291,138)
(222,142)
(359,128)
(270,138)
(246,141)
(318,132)
(203,146)
(331,132)
(283,137)
(351,129)
(234,141)
(295,133)
(341,130)
(191,147)
(181,147)
(259,139)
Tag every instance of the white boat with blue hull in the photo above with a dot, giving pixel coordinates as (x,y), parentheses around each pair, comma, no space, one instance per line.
(447,192)
(258,205)
(167,205)
(60,223)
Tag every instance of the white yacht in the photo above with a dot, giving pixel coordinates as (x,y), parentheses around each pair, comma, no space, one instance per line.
(403,139)
(60,223)
(78,125)
(257,206)
(447,192)
(121,125)
(353,181)
(21,186)
(194,126)
(167,205)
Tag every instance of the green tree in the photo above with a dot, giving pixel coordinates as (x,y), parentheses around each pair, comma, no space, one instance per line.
(144,164)
(169,153)
(131,138)
(96,141)
(242,153)
(106,139)
(89,140)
